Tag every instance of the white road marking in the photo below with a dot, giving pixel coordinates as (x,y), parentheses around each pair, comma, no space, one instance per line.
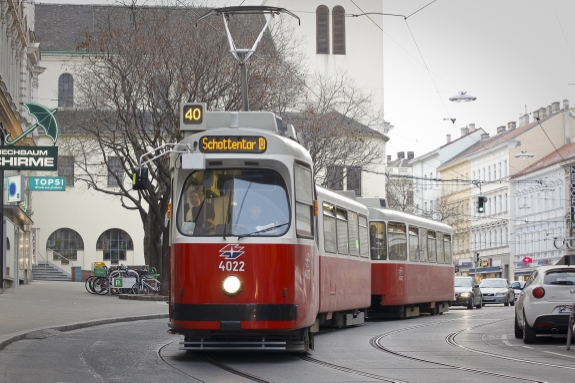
(509,344)
(556,353)
(503,336)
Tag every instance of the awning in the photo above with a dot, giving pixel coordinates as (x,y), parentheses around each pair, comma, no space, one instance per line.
(481,270)
(523,271)
(15,214)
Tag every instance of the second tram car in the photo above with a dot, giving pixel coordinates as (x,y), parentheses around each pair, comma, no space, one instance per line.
(411,263)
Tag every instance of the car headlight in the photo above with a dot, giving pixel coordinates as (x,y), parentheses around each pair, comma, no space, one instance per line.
(465,295)
(232,285)
(501,294)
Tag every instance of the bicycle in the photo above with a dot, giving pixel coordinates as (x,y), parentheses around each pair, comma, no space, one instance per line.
(146,282)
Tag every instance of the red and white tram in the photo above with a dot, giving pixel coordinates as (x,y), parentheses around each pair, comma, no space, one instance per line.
(249,267)
(411,263)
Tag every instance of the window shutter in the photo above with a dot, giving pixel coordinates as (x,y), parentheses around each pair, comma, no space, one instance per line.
(338,19)
(322,29)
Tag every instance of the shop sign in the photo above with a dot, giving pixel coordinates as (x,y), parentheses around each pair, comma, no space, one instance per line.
(29,157)
(527,260)
(47,183)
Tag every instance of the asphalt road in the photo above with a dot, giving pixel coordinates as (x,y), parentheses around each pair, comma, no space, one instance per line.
(459,346)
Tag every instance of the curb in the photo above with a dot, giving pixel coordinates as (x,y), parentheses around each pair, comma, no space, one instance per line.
(149,297)
(75,326)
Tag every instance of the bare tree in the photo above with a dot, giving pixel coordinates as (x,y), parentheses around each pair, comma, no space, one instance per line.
(339,127)
(139,65)
(400,191)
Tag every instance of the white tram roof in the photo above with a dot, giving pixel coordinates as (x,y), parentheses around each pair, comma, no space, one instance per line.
(382,214)
(334,197)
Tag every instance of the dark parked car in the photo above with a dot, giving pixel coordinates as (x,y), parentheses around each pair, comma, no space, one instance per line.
(517,286)
(497,290)
(467,293)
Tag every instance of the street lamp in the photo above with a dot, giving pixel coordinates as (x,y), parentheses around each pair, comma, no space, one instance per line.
(523,154)
(462,97)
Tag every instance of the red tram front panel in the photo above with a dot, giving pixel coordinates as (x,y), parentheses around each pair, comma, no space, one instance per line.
(278,289)
(411,283)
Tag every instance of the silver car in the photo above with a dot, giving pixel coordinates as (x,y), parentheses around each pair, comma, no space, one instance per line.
(497,290)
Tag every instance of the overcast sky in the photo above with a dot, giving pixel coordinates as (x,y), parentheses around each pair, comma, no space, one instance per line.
(513,55)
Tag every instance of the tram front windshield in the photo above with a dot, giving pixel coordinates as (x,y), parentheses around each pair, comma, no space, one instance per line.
(233,202)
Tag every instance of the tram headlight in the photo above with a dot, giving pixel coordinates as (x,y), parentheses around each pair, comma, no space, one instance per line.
(232,285)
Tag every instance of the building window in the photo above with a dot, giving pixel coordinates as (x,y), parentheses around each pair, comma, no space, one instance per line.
(65,244)
(410,197)
(338,29)
(335,177)
(65,90)
(66,169)
(322,29)
(114,243)
(115,171)
(354,180)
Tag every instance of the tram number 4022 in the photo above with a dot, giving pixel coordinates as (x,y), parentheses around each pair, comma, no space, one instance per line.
(231,266)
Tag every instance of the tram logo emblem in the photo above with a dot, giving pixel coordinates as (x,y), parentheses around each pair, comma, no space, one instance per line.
(232,251)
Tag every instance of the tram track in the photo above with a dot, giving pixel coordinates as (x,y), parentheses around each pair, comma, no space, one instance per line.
(450,339)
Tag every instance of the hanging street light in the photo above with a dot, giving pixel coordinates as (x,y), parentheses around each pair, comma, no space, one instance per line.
(523,154)
(462,97)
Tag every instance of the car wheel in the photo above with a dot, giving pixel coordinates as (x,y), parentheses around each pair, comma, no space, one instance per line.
(480,304)
(518,330)
(528,333)
(470,303)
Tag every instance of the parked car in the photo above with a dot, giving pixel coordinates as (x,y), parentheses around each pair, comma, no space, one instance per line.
(545,303)
(497,290)
(467,293)
(517,286)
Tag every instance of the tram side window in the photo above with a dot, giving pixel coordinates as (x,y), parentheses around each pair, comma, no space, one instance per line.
(431,247)
(423,244)
(448,249)
(413,244)
(363,237)
(329,230)
(378,240)
(440,252)
(342,235)
(304,201)
(397,234)
(353,229)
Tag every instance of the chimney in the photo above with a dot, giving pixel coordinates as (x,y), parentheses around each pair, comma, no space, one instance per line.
(484,136)
(448,136)
(464,131)
(471,128)
(535,114)
(388,157)
(524,120)
(400,155)
(511,125)
(549,110)
(555,107)
(542,112)
(565,104)
(501,129)
(410,155)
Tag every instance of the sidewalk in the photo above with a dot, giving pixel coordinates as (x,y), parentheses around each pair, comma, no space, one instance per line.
(65,306)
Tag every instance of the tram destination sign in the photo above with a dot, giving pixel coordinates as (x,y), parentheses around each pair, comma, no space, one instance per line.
(29,157)
(233,144)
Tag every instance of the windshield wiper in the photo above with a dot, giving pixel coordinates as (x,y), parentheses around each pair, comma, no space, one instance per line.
(561,283)
(263,230)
